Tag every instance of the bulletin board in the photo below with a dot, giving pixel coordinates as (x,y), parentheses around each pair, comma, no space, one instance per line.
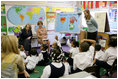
(68,22)
(51,19)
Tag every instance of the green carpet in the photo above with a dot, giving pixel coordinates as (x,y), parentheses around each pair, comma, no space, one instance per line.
(37,74)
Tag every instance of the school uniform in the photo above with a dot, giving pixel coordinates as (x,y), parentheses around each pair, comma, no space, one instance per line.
(68,43)
(82,61)
(58,43)
(74,51)
(43,58)
(91,52)
(109,56)
(31,63)
(99,55)
(108,59)
(56,70)
(23,55)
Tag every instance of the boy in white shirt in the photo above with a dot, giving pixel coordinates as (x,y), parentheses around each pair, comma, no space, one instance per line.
(22,52)
(57,68)
(99,53)
(31,61)
(109,56)
(43,56)
(73,51)
(58,43)
(83,59)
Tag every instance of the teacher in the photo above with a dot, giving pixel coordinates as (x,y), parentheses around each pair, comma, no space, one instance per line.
(92,25)
(42,34)
(25,37)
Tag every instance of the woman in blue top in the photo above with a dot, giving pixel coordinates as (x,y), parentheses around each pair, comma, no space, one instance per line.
(92,25)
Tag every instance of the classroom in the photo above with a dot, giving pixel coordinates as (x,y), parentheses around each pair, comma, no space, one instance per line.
(59,39)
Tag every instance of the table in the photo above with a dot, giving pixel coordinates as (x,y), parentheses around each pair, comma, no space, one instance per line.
(82,74)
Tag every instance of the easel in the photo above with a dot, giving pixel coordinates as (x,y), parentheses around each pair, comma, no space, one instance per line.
(103,26)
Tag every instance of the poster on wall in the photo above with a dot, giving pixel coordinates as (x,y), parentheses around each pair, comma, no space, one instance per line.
(68,22)
(20,15)
(51,17)
(3,24)
(2,9)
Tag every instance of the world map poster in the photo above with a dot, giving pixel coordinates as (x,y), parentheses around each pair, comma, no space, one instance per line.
(20,15)
(67,22)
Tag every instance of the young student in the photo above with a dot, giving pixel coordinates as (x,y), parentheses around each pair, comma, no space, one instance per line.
(58,43)
(31,61)
(57,68)
(22,52)
(73,51)
(55,46)
(44,56)
(84,58)
(99,53)
(109,56)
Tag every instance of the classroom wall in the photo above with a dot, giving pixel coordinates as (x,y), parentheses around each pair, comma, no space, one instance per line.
(68,6)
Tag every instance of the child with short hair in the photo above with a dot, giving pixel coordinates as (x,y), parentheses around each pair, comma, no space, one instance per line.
(84,58)
(22,52)
(43,56)
(32,60)
(57,68)
(73,51)
(57,40)
(99,53)
(109,56)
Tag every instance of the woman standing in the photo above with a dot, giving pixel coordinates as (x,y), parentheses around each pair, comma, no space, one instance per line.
(25,37)
(42,34)
(92,25)
(11,61)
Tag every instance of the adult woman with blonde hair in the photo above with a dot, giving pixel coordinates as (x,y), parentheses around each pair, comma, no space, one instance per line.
(25,37)
(92,25)
(11,61)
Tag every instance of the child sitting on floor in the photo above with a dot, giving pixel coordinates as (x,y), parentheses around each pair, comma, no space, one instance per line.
(55,46)
(99,53)
(31,61)
(109,56)
(85,57)
(58,43)
(72,52)
(43,56)
(57,68)
(22,52)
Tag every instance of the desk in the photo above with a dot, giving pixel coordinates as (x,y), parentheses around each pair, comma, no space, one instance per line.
(82,74)
(107,36)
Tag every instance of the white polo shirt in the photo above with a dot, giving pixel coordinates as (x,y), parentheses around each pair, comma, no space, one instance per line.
(23,55)
(83,60)
(110,55)
(99,55)
(31,61)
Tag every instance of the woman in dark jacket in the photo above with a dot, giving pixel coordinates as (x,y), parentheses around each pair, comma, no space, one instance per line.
(25,37)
